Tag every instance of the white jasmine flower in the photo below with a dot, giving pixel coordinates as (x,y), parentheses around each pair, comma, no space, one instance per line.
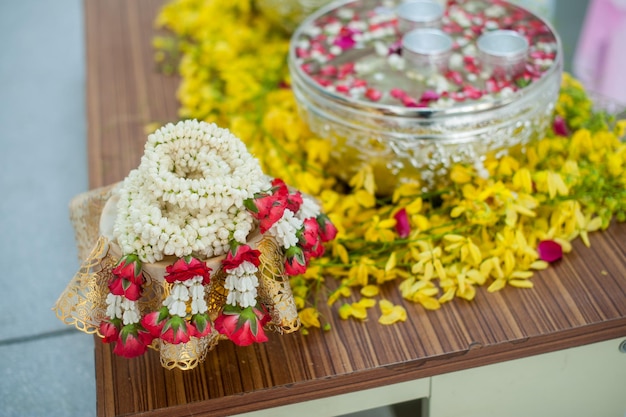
(114,306)
(308,208)
(247,299)
(284,230)
(189,170)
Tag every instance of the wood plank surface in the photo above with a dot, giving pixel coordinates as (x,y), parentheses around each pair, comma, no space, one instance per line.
(581,300)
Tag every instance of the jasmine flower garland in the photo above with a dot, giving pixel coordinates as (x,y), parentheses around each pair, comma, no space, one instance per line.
(199,194)
(187,194)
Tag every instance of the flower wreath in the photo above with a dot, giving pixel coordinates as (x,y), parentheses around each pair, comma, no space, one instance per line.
(198,194)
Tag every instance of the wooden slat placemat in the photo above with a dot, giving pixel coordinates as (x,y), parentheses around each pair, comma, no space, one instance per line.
(580,300)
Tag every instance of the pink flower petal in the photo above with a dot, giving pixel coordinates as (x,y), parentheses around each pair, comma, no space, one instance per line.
(559,127)
(549,251)
(402,223)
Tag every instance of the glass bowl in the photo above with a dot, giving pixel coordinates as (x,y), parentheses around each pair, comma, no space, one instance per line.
(358,86)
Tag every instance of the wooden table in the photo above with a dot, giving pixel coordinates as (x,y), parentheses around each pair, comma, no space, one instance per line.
(580,301)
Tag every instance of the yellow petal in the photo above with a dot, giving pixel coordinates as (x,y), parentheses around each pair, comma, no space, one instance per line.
(451,237)
(468,294)
(366,303)
(397,313)
(341,252)
(448,295)
(385,306)
(457,211)
(370,290)
(497,285)
(387,224)
(429,303)
(475,276)
(391,262)
(309,317)
(359,311)
(539,265)
(345,311)
(520,283)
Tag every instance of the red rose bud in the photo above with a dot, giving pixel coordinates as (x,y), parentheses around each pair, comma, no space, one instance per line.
(124,287)
(176,330)
(187,268)
(200,325)
(328,231)
(153,322)
(294,201)
(267,209)
(129,268)
(110,330)
(243,327)
(295,261)
(402,223)
(279,189)
(239,255)
(133,341)
(309,235)
(549,250)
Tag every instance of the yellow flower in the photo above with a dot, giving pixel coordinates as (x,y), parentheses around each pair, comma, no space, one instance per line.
(358,310)
(585,224)
(391,313)
(460,174)
(381,230)
(469,251)
(466,232)
(420,291)
(370,291)
(309,317)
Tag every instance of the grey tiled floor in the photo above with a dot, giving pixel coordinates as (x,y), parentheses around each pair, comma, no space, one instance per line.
(46,368)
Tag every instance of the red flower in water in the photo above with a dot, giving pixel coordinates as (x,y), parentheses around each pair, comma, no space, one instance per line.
(176,330)
(133,341)
(153,322)
(127,278)
(402,223)
(295,261)
(186,268)
(239,255)
(328,231)
(549,250)
(110,330)
(243,327)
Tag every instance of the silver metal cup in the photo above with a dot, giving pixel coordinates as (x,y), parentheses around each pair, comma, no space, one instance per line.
(502,53)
